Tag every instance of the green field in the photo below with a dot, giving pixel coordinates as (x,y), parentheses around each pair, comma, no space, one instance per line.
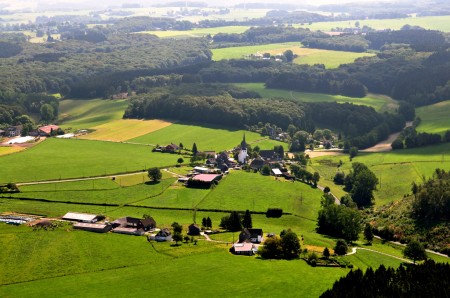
(380,103)
(207,138)
(396,169)
(435,118)
(331,59)
(70,158)
(82,114)
(198,32)
(441,23)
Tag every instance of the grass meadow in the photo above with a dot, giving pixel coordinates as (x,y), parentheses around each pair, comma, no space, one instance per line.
(396,170)
(83,114)
(198,32)
(331,59)
(380,103)
(210,137)
(435,118)
(441,23)
(71,158)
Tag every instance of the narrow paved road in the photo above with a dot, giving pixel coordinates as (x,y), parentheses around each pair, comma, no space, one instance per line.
(378,252)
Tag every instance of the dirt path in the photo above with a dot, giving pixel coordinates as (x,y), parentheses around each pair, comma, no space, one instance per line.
(385,146)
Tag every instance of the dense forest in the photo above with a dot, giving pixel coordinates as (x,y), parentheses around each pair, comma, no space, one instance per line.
(429,279)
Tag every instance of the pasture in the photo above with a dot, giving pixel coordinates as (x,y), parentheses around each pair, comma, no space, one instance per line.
(396,170)
(209,137)
(197,32)
(124,129)
(441,23)
(331,59)
(380,103)
(435,118)
(83,114)
(71,158)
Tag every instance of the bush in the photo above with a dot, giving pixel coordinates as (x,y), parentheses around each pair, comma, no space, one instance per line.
(341,247)
(274,212)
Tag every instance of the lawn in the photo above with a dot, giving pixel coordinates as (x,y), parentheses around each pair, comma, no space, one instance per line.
(83,114)
(125,129)
(396,170)
(331,59)
(441,23)
(380,103)
(435,118)
(70,158)
(209,137)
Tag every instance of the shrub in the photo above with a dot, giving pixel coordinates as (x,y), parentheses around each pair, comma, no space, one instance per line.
(274,212)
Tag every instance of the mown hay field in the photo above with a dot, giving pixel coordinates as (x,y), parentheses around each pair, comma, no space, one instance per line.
(434,118)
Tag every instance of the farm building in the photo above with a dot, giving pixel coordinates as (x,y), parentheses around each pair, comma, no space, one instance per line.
(81,217)
(163,235)
(204,180)
(14,131)
(257,164)
(269,155)
(252,235)
(277,172)
(194,230)
(47,130)
(246,249)
(98,228)
(2,133)
(171,148)
(134,223)
(129,231)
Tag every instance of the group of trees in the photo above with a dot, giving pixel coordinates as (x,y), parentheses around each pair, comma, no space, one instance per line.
(410,138)
(432,198)
(361,182)
(338,220)
(429,279)
(235,222)
(285,246)
(207,222)
(304,175)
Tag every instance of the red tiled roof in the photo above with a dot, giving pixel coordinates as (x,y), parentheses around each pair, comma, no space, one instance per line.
(48,129)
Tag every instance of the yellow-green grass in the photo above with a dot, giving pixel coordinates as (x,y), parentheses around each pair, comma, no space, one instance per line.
(9,150)
(102,191)
(198,32)
(396,169)
(83,114)
(56,263)
(331,59)
(125,129)
(435,118)
(441,23)
(242,190)
(207,138)
(69,158)
(379,102)
(138,178)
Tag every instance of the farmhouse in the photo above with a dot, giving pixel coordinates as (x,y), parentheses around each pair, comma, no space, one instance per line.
(269,155)
(277,172)
(171,148)
(163,235)
(252,235)
(246,249)
(47,130)
(257,164)
(81,217)
(194,230)
(14,131)
(98,228)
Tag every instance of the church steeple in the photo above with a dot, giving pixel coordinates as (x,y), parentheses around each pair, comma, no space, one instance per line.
(243,143)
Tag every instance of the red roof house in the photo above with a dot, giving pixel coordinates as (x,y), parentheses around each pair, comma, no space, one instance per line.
(47,130)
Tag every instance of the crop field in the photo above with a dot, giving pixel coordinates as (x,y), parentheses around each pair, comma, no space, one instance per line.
(396,170)
(83,114)
(380,103)
(9,150)
(198,32)
(435,118)
(441,23)
(331,59)
(212,137)
(69,158)
(124,129)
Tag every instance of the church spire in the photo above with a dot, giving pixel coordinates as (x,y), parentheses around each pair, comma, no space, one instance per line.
(243,143)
